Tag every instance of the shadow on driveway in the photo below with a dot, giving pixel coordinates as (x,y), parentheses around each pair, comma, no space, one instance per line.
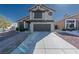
(28,45)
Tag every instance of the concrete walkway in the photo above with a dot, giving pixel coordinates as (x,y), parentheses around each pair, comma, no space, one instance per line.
(55,45)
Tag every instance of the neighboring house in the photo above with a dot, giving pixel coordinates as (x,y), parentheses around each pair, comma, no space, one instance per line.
(59,25)
(39,19)
(68,22)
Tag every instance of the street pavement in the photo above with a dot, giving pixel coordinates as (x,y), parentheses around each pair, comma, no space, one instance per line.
(37,43)
(11,42)
(7,35)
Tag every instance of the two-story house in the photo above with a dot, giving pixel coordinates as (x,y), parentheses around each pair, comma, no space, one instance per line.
(39,19)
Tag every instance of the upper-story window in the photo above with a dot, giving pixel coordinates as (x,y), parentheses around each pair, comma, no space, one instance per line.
(38,14)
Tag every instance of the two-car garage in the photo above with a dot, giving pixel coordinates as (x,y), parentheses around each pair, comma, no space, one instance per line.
(41,26)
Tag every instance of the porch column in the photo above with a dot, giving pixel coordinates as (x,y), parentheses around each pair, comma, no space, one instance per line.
(65,24)
(24,24)
(75,24)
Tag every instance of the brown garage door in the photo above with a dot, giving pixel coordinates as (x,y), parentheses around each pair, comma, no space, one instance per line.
(42,27)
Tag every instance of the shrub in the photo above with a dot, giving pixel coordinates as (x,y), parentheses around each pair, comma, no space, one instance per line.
(17,29)
(63,29)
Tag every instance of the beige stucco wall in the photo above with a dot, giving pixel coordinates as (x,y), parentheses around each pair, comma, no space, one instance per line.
(60,24)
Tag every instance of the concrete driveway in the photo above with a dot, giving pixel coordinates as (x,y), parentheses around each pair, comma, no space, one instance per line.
(53,44)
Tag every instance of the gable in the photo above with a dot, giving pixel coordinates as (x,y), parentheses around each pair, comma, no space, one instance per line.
(76,16)
(40,7)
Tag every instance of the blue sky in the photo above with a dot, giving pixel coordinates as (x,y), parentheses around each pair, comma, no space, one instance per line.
(15,11)
(62,9)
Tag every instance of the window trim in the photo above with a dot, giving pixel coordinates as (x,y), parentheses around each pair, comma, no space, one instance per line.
(38,17)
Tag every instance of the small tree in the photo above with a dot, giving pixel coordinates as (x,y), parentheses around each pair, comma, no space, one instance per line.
(4,22)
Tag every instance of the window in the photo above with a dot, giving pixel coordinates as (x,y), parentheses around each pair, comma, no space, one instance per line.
(37,14)
(72,21)
(70,26)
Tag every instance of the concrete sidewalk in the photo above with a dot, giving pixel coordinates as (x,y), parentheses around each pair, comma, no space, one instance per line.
(55,45)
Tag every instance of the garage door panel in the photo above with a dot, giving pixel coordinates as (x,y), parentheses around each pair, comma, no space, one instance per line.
(42,27)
